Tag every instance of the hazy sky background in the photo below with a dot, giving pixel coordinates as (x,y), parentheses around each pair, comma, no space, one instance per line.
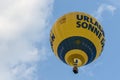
(25,52)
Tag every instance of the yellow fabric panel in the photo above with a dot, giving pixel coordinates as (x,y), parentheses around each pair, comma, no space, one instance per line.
(78,54)
(65,27)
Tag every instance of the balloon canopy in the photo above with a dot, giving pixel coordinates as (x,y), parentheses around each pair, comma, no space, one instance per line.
(77,38)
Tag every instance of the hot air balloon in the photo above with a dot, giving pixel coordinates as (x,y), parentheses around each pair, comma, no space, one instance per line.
(77,39)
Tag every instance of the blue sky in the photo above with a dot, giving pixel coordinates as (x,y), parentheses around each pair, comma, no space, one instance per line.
(25,52)
(106,67)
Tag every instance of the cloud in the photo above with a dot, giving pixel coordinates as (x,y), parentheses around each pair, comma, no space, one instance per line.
(22,26)
(24,72)
(115,2)
(103,8)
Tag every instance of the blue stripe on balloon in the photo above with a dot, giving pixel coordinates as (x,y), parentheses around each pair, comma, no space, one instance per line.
(70,43)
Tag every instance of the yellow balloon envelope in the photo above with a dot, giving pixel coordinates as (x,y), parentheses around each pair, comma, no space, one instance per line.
(77,38)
